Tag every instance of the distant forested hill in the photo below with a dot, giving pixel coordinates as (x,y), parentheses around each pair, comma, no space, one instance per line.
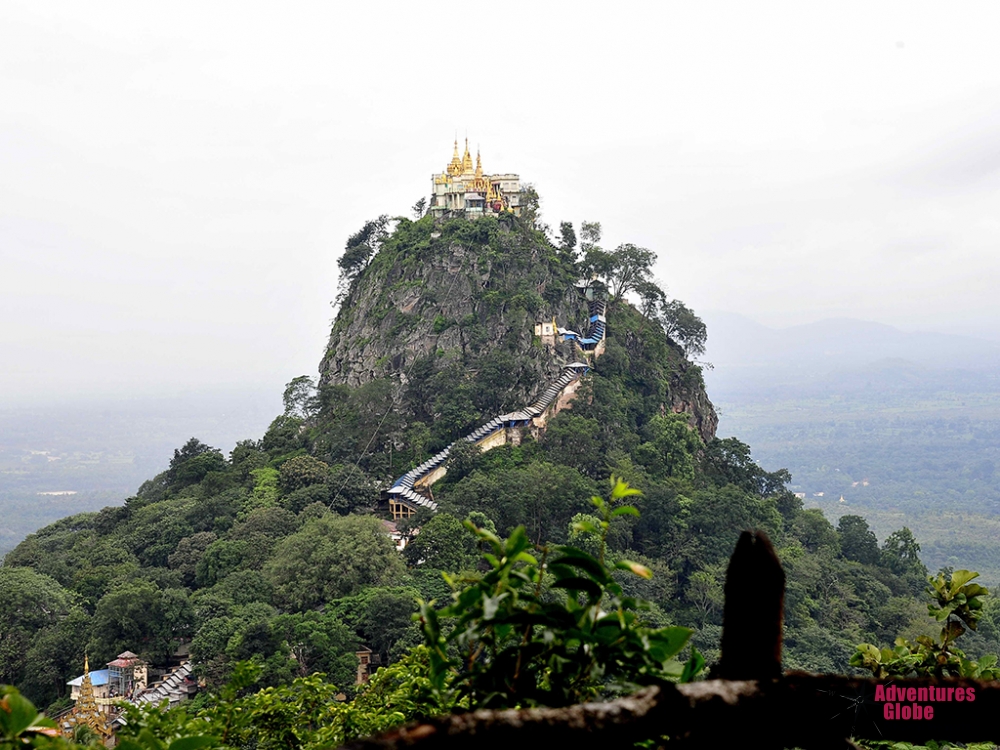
(103,450)
(904,426)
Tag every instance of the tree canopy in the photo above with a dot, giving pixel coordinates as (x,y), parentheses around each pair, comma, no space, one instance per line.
(331,557)
(362,246)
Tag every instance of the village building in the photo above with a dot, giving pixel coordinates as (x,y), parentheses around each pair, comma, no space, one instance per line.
(127,675)
(98,694)
(399,539)
(368,662)
(466,188)
(176,686)
(98,681)
(124,677)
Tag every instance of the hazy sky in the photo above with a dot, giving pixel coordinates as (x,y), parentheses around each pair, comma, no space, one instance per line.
(177,179)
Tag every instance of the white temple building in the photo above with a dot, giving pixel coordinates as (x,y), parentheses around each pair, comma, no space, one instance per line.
(462,187)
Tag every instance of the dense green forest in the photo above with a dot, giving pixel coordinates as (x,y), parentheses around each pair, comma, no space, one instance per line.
(925,460)
(276,553)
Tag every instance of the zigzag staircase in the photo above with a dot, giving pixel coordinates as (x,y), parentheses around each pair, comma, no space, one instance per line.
(412,490)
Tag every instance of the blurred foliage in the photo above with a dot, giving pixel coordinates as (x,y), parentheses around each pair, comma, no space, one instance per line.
(958,603)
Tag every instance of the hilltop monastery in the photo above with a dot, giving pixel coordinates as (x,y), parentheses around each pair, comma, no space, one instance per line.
(462,187)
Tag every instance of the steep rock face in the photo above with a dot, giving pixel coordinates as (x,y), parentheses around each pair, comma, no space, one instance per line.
(461,299)
(684,386)
(640,357)
(453,307)
(688,395)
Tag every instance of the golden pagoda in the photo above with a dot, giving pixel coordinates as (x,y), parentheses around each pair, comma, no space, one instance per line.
(467,160)
(86,712)
(455,167)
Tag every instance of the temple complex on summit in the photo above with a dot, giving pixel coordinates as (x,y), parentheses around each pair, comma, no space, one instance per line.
(462,187)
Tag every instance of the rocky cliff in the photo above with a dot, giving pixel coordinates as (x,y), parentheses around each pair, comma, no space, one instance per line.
(445,314)
(456,292)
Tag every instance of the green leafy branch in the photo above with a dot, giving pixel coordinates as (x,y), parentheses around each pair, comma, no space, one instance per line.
(548,625)
(20,722)
(957,602)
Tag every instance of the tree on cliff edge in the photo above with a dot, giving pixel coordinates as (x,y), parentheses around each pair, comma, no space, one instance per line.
(362,246)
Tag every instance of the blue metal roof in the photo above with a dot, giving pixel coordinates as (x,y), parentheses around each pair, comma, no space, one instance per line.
(97,678)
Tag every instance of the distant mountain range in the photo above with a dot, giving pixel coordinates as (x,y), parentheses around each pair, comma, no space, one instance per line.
(841,354)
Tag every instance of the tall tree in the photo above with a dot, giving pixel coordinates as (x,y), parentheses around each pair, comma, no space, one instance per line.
(139,616)
(901,553)
(302,471)
(55,653)
(29,603)
(684,327)
(857,541)
(192,462)
(567,237)
(627,267)
(331,557)
(301,399)
(590,235)
(530,206)
(362,245)
(320,642)
(443,543)
(594,261)
(651,298)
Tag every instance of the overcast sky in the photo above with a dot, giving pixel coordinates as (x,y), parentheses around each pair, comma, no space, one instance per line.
(177,179)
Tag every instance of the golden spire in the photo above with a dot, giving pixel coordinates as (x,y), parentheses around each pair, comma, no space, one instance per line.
(455,167)
(467,160)
(86,711)
(479,165)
